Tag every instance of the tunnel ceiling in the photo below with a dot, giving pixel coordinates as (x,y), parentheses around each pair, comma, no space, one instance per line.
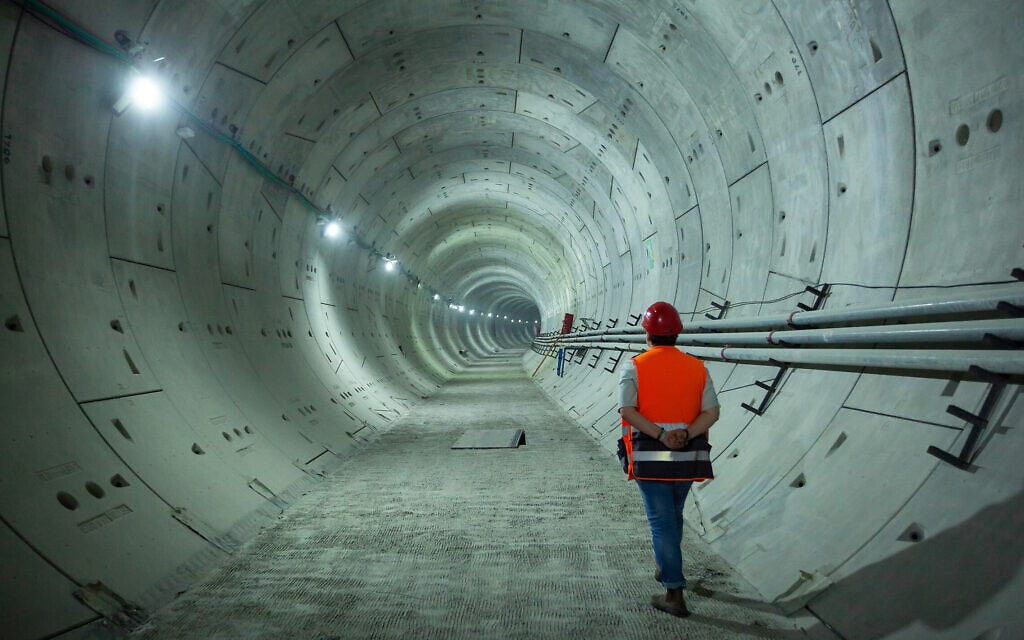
(503,154)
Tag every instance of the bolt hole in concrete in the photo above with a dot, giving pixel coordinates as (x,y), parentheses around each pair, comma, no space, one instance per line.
(67,500)
(994,121)
(963,134)
(118,481)
(14,324)
(95,490)
(934,147)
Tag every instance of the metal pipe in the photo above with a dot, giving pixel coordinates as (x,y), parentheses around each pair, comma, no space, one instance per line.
(1008,362)
(1005,362)
(936,332)
(967,331)
(973,301)
(964,303)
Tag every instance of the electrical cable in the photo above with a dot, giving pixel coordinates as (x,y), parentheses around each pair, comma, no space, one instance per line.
(733,305)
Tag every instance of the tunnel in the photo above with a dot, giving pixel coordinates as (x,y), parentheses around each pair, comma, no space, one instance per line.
(336,234)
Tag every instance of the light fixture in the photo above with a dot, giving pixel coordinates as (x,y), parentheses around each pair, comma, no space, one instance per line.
(332,229)
(472,312)
(490,315)
(461,308)
(437,296)
(142,92)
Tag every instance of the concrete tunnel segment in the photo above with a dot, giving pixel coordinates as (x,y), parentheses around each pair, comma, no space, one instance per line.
(185,351)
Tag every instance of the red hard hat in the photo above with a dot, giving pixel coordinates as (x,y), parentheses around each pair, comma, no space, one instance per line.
(662,319)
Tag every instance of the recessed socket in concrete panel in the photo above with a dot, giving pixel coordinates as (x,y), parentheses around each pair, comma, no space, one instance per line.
(67,500)
(13,323)
(994,122)
(116,326)
(934,147)
(963,134)
(913,533)
(121,429)
(835,445)
(799,483)
(196,449)
(876,51)
(131,363)
(117,480)
(95,490)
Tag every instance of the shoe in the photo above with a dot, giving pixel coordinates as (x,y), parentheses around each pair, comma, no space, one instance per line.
(671,602)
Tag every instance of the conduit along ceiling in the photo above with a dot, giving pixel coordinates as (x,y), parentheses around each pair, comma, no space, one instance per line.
(168,278)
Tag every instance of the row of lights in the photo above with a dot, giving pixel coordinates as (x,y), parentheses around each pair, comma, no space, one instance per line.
(144,93)
(462,309)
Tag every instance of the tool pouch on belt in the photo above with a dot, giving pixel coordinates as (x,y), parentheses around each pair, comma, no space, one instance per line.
(651,460)
(623,456)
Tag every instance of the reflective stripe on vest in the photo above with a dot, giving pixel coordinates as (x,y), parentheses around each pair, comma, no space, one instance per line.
(651,460)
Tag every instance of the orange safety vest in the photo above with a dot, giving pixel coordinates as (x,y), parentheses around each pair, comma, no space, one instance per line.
(670,387)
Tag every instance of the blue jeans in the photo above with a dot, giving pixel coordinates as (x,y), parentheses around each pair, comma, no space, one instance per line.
(664,504)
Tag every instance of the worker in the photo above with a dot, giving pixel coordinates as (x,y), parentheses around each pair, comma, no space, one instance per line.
(667,402)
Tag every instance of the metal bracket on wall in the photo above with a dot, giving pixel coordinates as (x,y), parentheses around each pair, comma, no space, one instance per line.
(977,421)
(612,323)
(1008,308)
(597,358)
(770,389)
(722,308)
(819,297)
(634,320)
(615,362)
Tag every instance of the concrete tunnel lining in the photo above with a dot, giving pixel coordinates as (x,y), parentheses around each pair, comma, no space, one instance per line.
(527,159)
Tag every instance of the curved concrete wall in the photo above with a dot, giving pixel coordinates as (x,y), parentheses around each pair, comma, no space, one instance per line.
(185,351)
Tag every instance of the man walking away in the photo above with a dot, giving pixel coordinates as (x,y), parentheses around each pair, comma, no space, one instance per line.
(667,402)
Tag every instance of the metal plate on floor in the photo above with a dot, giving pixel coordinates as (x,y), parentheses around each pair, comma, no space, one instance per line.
(491,439)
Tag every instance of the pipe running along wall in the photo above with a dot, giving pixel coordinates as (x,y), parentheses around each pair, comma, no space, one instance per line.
(186,349)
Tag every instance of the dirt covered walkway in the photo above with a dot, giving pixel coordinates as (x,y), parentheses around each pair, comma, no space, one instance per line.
(412,539)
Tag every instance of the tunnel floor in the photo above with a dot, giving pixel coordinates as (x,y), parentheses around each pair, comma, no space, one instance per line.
(411,539)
